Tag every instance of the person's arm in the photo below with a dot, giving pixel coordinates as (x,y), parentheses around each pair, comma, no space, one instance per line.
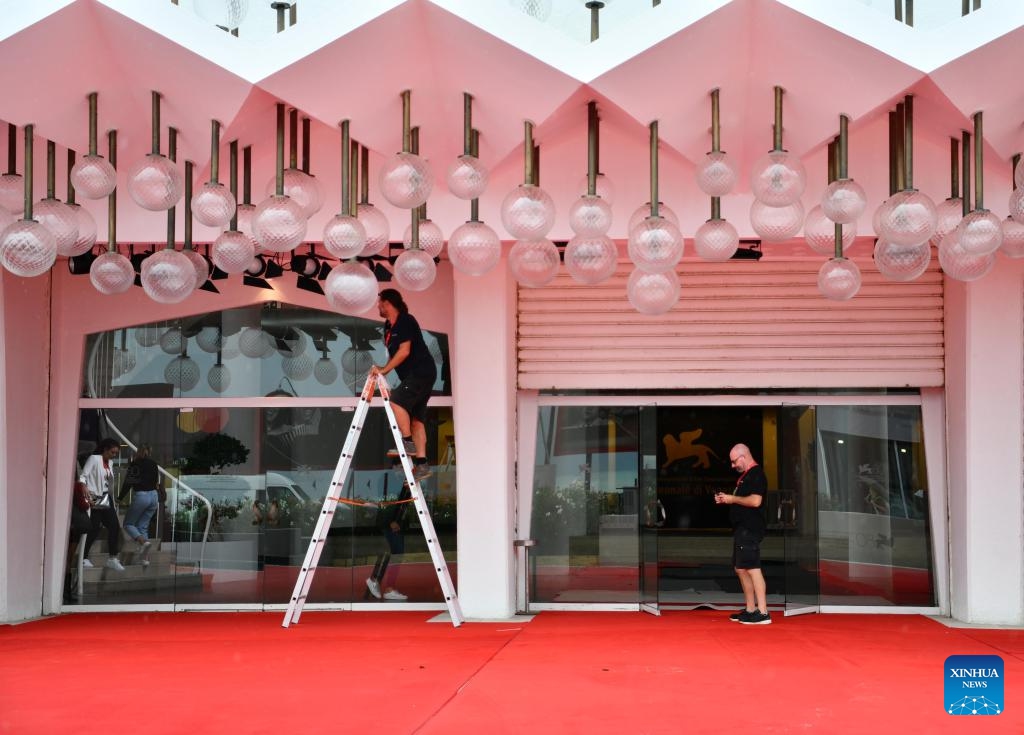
(92,476)
(400,356)
(748,501)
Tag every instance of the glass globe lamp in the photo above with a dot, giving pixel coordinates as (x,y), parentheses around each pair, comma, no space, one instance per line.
(406,180)
(652,293)
(351,289)
(219,378)
(844,201)
(902,263)
(1018,175)
(467,177)
(112,273)
(1013,239)
(325,371)
(93,177)
(415,270)
(297,367)
(907,218)
(232,252)
(378,229)
(839,279)
(27,248)
(716,240)
(528,212)
(279,224)
(644,211)
(213,204)
(590,216)
(12,193)
(201,264)
(961,265)
(355,366)
(980,232)
(244,215)
(86,238)
(61,220)
(182,372)
(254,343)
(227,14)
(1016,205)
(603,185)
(147,336)
(301,187)
(820,232)
(294,343)
(776,224)
(210,339)
(431,238)
(655,245)
(778,179)
(168,277)
(474,248)
(6,219)
(591,260)
(533,263)
(155,183)
(344,236)
(173,341)
(948,214)
(716,174)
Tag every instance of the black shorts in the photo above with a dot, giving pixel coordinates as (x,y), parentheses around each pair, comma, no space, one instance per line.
(746,550)
(412,394)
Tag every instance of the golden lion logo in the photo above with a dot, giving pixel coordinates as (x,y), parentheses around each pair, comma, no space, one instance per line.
(684,448)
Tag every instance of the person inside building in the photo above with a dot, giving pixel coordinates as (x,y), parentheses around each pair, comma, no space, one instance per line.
(391,519)
(98,477)
(747,516)
(143,480)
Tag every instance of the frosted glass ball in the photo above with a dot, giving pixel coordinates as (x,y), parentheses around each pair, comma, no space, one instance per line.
(378,229)
(244,214)
(1013,239)
(325,371)
(297,367)
(907,218)
(351,289)
(224,13)
(717,174)
(93,177)
(182,372)
(210,339)
(603,185)
(86,239)
(173,341)
(201,264)
(27,248)
(655,245)
(820,232)
(839,279)
(344,236)
(295,342)
(652,293)
(168,277)
(533,263)
(644,211)
(6,219)
(716,240)
(232,252)
(61,220)
(528,212)
(474,248)
(219,378)
(415,270)
(147,336)
(155,183)
(980,232)
(778,179)
(844,201)
(254,342)
(1016,205)
(902,262)
(776,224)
(948,214)
(467,177)
(301,187)
(961,265)
(355,366)
(1018,174)
(12,193)
(590,216)
(279,224)
(591,260)
(112,273)
(213,204)
(431,238)
(406,180)
(539,9)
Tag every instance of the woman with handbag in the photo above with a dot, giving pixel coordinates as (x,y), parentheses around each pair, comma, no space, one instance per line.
(143,478)
(98,477)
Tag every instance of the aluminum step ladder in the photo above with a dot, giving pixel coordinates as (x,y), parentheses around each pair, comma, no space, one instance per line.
(334,495)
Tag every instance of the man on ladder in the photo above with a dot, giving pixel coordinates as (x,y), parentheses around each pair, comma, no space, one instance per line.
(410,358)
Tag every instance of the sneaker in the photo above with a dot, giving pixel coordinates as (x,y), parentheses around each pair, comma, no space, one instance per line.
(395,595)
(756,618)
(422,471)
(374,586)
(86,564)
(738,616)
(114,564)
(407,444)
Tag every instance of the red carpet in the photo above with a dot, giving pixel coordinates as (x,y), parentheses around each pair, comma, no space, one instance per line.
(561,673)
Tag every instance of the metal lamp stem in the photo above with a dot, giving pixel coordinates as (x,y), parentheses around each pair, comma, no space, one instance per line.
(28,170)
(293,138)
(716,131)
(172,153)
(777,127)
(467,123)
(345,167)
(189,173)
(364,173)
(279,190)
(70,186)
(305,144)
(12,148)
(214,151)
(965,170)
(908,141)
(954,167)
(51,169)
(93,99)
(654,168)
(112,196)
(155,104)
(591,148)
(233,180)
(979,171)
(406,120)
(527,152)
(474,204)
(247,175)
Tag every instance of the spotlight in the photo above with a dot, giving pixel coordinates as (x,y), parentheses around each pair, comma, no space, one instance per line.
(382,274)
(748,250)
(306,266)
(136,260)
(259,270)
(79,265)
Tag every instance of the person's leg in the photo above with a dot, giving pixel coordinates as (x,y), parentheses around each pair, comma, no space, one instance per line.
(109,519)
(759,589)
(94,531)
(419,437)
(148,511)
(747,584)
(401,418)
(133,518)
(396,545)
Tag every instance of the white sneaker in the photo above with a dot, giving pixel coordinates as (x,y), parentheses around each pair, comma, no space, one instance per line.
(114,564)
(395,595)
(86,564)
(374,587)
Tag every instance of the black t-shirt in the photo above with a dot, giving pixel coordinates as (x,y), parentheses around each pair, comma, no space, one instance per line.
(752,482)
(142,474)
(419,362)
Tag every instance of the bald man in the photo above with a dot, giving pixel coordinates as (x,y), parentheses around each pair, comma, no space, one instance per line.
(748,523)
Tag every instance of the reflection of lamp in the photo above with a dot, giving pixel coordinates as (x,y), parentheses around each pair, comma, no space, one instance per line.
(356,362)
(124,359)
(219,377)
(325,371)
(254,342)
(173,341)
(182,372)
(227,14)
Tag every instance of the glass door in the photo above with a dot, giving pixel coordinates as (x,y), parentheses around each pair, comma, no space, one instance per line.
(793,508)
(651,514)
